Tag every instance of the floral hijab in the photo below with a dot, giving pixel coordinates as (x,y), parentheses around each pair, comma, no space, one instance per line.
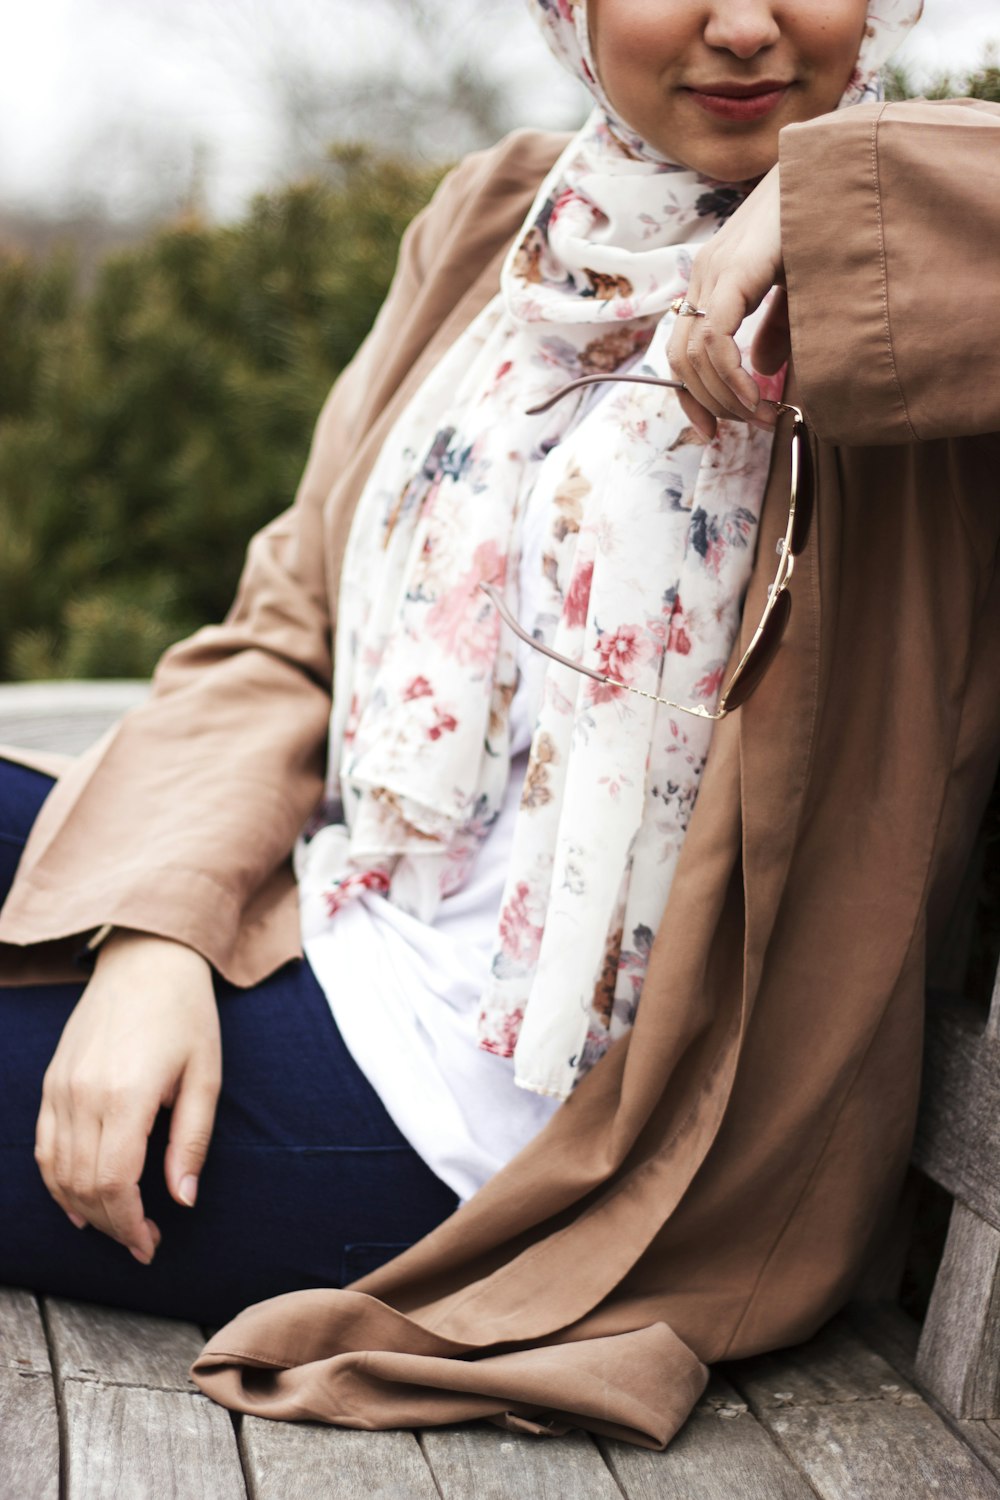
(649,543)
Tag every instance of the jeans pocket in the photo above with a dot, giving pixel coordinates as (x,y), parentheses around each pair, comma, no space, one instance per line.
(358,1260)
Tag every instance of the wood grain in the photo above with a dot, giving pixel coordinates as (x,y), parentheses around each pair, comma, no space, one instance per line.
(129,1444)
(958,1130)
(481,1462)
(993,1023)
(855,1426)
(90,1342)
(889,1330)
(311,1461)
(959,1354)
(22,1333)
(835,1366)
(870,1448)
(721,1452)
(29,1436)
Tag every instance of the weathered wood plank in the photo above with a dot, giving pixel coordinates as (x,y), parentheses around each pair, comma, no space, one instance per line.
(958,1131)
(984,1440)
(22,1333)
(64,716)
(29,1436)
(722,1451)
(855,1452)
(855,1427)
(147,1445)
(90,1342)
(895,1334)
(993,1022)
(485,1463)
(890,1331)
(315,1462)
(835,1366)
(959,1355)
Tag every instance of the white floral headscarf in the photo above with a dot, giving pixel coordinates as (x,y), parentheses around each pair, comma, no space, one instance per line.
(649,544)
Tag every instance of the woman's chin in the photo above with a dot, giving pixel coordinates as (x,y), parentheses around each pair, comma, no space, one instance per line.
(728,161)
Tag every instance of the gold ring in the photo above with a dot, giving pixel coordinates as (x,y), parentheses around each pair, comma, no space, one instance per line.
(684,309)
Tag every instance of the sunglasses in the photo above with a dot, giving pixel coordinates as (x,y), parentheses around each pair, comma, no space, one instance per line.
(767,637)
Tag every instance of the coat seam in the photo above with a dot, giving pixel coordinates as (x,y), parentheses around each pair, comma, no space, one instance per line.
(880,225)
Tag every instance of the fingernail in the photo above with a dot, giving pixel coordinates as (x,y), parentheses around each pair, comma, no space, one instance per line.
(188,1190)
(76,1220)
(144,1257)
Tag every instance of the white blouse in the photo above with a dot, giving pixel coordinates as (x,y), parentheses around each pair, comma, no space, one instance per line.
(406,994)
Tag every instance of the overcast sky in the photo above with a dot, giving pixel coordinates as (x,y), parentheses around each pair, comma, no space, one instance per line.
(91,88)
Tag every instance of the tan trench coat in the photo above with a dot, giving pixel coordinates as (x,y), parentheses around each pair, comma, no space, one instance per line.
(712,1188)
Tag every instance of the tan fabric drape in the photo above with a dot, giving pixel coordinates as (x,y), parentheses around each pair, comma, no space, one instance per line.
(713,1186)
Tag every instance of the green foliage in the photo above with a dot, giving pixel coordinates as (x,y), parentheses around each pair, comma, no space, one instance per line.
(152,422)
(149,425)
(982,83)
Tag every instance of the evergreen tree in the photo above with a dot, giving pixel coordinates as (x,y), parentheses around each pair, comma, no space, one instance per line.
(150,425)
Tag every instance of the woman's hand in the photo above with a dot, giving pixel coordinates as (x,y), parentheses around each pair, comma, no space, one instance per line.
(145,1033)
(730,278)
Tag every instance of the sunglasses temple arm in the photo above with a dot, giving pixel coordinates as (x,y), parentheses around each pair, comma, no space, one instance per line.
(529,640)
(675,385)
(576,385)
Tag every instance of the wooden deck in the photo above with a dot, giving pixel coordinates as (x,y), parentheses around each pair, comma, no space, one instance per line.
(96,1403)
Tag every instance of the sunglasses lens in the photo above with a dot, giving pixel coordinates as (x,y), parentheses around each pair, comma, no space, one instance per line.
(760,656)
(805,491)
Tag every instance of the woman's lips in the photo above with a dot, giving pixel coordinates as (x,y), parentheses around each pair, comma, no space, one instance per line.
(741,105)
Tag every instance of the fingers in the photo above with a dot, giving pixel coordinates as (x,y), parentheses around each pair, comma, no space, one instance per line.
(90,1153)
(191,1129)
(704,354)
(730,277)
(45,1150)
(114,1199)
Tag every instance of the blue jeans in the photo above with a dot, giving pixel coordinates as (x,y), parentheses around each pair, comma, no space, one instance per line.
(307,1180)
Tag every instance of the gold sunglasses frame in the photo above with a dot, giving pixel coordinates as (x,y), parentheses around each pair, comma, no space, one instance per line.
(765,640)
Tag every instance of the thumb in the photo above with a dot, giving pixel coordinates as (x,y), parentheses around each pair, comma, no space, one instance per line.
(772,343)
(190,1134)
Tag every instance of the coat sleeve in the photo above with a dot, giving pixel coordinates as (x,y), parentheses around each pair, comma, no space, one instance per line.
(891,233)
(176,822)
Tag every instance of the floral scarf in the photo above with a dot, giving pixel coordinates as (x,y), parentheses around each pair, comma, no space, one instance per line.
(650,539)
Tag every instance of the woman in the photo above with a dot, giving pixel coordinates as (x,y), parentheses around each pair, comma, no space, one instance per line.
(727,1151)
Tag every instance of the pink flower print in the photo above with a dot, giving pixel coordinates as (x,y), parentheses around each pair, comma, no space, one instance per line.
(504,1039)
(709,685)
(520,937)
(462,619)
(417,687)
(443,724)
(603,692)
(619,653)
(565,197)
(578,596)
(678,640)
(352,885)
(353,719)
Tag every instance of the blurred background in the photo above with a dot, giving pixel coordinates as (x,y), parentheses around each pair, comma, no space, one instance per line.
(200,202)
